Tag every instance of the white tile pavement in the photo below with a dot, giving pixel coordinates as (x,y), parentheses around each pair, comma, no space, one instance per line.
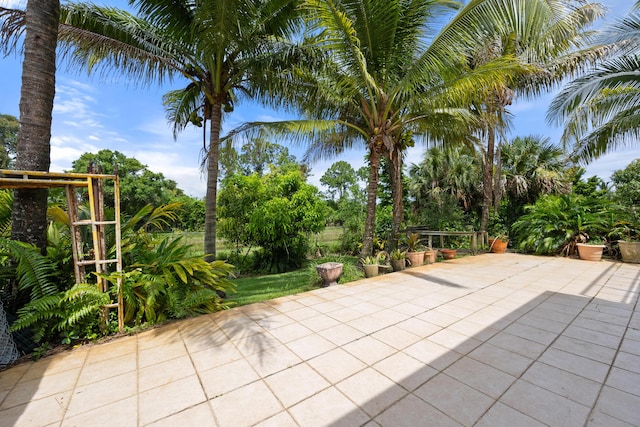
(489,340)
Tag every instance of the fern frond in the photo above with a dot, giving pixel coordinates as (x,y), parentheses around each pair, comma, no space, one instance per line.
(34,271)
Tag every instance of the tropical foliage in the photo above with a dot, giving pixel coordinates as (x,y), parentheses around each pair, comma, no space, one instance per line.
(274,212)
(599,110)
(556,223)
(161,281)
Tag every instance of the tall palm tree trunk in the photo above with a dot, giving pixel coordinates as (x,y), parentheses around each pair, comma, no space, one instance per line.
(487,177)
(29,221)
(211,205)
(372,195)
(396,196)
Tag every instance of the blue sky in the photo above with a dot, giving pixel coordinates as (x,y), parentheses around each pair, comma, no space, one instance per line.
(107,111)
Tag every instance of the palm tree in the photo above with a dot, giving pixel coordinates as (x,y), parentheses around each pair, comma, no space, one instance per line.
(600,110)
(36,105)
(386,76)
(552,36)
(221,47)
(531,166)
(452,171)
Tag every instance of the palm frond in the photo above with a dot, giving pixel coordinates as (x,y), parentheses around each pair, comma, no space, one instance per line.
(12,27)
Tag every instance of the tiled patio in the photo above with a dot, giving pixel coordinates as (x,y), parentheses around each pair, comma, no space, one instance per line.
(490,340)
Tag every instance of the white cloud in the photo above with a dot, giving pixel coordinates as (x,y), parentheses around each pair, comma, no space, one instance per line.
(66,149)
(14,4)
(185,172)
(607,164)
(157,126)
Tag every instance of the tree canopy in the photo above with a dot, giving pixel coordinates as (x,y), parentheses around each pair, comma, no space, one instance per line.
(275,212)
(9,127)
(139,186)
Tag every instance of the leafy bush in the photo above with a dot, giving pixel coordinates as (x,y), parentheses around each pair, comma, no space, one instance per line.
(161,280)
(51,310)
(275,212)
(554,224)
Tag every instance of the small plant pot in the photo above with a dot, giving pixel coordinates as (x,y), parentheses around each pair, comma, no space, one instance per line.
(498,246)
(448,253)
(630,251)
(370,270)
(430,256)
(398,264)
(590,252)
(416,259)
(384,268)
(329,272)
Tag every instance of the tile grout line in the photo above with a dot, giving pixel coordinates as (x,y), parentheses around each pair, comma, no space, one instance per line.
(197,372)
(604,381)
(547,347)
(73,389)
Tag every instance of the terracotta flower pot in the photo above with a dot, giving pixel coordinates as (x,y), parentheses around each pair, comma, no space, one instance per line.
(630,251)
(590,252)
(448,253)
(498,246)
(430,256)
(416,259)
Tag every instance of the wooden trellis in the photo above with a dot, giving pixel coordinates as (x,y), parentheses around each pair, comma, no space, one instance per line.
(97,254)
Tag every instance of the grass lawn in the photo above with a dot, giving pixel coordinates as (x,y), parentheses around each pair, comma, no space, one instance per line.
(260,288)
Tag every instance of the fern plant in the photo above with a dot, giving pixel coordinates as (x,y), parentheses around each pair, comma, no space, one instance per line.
(63,314)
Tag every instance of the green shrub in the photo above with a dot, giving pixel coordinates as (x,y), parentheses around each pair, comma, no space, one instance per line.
(555,224)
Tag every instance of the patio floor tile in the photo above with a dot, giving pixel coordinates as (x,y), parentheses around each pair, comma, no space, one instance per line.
(412,411)
(262,404)
(459,401)
(296,384)
(371,391)
(405,371)
(508,340)
(329,407)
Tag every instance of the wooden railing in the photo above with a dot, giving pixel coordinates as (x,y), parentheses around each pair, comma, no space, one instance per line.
(478,238)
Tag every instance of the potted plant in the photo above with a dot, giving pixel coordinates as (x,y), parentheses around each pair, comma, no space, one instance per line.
(498,244)
(329,272)
(382,258)
(370,266)
(591,251)
(448,253)
(414,255)
(398,261)
(630,244)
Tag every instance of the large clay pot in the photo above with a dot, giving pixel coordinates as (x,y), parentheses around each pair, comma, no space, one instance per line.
(329,273)
(430,256)
(448,253)
(590,252)
(498,246)
(416,259)
(630,251)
